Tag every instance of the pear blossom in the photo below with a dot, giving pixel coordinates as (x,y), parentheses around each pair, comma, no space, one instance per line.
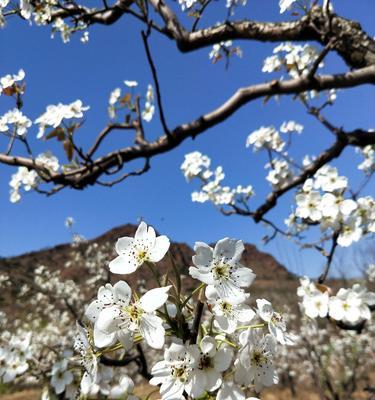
(121,319)
(368,163)
(133,252)
(174,373)
(296,59)
(370,272)
(85,37)
(351,305)
(55,114)
(113,99)
(350,232)
(265,137)
(123,390)
(26,8)
(333,206)
(90,387)
(285,5)
(15,117)
(275,321)
(84,346)
(228,315)
(131,84)
(316,305)
(65,30)
(223,49)
(186,4)
(221,269)
(194,165)
(230,391)
(308,205)
(9,80)
(207,376)
(255,364)
(23,178)
(61,376)
(328,179)
(149,110)
(280,173)
(291,126)
(48,160)
(307,288)
(14,367)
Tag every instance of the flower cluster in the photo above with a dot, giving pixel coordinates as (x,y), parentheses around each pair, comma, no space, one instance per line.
(118,102)
(351,306)
(295,59)
(230,4)
(9,82)
(269,139)
(197,166)
(368,164)
(66,31)
(55,114)
(370,272)
(321,200)
(285,5)
(224,50)
(19,121)
(14,356)
(28,179)
(222,351)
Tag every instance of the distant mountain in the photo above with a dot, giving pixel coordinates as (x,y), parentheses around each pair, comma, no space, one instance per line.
(273,280)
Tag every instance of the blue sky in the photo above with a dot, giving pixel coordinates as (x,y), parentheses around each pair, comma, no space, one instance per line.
(191,85)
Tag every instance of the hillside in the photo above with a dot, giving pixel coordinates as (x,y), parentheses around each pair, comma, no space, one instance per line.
(70,259)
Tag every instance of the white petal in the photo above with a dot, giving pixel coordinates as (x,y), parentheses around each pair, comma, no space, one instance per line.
(202,274)
(223,359)
(245,276)
(160,248)
(229,248)
(103,339)
(123,244)
(106,294)
(208,346)
(123,292)
(151,328)
(203,254)
(123,265)
(108,319)
(125,337)
(154,298)
(93,310)
(141,232)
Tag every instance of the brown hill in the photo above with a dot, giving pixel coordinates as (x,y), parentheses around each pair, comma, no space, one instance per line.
(273,280)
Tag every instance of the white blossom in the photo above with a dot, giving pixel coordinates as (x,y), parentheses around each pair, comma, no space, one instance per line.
(228,315)
(9,80)
(133,252)
(174,373)
(265,137)
(15,117)
(255,364)
(149,110)
(55,114)
(116,318)
(351,305)
(285,5)
(221,269)
(211,363)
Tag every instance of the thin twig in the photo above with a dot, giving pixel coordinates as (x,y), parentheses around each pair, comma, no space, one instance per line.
(156,81)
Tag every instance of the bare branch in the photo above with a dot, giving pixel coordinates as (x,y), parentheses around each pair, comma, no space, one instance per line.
(156,81)
(88,174)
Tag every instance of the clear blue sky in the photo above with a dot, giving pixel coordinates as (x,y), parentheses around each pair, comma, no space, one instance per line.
(57,72)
